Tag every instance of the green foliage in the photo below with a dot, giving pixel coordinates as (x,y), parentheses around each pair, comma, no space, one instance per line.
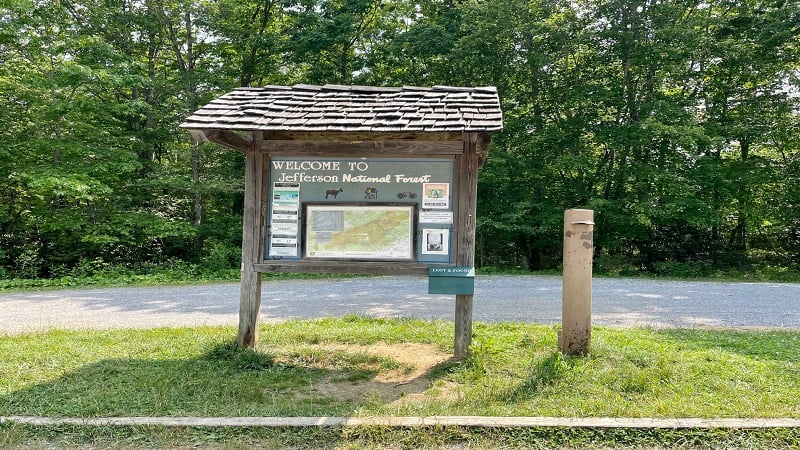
(676,122)
(634,115)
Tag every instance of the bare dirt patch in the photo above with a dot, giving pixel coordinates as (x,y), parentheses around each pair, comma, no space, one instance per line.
(407,381)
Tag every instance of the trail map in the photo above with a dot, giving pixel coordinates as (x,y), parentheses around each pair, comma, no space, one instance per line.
(374,232)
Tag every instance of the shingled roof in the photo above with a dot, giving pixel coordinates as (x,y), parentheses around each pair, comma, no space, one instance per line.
(352,109)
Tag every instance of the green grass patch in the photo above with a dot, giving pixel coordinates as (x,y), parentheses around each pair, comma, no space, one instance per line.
(359,367)
(175,274)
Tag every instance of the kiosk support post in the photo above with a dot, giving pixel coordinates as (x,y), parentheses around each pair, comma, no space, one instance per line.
(466,201)
(576,302)
(252,243)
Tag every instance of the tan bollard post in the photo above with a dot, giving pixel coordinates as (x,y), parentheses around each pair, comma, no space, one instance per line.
(576,299)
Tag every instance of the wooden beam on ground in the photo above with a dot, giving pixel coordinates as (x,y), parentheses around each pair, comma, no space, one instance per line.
(413,422)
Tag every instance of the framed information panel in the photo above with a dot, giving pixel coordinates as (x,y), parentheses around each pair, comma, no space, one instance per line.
(379,232)
(341,193)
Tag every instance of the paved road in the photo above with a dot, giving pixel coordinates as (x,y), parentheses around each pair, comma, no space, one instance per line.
(536,299)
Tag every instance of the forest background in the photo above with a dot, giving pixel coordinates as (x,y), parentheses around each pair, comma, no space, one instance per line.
(676,121)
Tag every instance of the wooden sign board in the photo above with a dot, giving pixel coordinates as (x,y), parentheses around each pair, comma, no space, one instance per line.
(360,209)
(354,179)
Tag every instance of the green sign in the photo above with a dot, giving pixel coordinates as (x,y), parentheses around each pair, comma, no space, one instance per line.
(452,280)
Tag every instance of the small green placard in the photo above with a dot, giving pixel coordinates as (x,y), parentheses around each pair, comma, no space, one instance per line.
(451,280)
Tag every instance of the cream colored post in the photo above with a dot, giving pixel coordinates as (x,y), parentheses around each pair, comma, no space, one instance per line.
(576,300)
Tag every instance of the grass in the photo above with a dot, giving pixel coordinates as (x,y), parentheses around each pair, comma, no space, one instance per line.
(350,367)
(176,272)
(180,275)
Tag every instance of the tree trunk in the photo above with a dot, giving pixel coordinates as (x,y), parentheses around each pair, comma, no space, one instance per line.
(739,235)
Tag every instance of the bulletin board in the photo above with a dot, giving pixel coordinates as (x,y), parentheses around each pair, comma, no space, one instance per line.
(369,209)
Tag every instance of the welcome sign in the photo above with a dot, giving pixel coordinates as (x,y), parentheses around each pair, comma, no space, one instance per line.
(346,208)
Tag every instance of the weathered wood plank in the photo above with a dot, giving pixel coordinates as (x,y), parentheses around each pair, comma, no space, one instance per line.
(357,267)
(256,171)
(366,148)
(464,235)
(463,326)
(484,139)
(228,139)
(408,422)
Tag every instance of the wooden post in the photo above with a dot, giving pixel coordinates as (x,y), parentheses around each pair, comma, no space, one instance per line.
(576,301)
(252,242)
(465,200)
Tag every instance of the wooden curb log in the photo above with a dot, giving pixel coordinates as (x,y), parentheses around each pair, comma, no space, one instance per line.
(411,422)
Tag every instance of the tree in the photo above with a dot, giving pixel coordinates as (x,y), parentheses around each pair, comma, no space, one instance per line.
(250,40)
(752,52)
(329,37)
(675,121)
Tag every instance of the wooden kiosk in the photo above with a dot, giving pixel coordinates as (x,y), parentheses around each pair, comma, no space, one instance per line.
(355,179)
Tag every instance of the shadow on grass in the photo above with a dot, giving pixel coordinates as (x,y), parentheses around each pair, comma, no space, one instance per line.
(548,371)
(224,381)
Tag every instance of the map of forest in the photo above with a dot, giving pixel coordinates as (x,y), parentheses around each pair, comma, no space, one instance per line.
(377,232)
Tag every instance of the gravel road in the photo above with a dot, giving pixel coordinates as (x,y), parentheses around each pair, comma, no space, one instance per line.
(498,298)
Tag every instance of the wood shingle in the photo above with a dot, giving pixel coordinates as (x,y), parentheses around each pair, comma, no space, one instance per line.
(353,109)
